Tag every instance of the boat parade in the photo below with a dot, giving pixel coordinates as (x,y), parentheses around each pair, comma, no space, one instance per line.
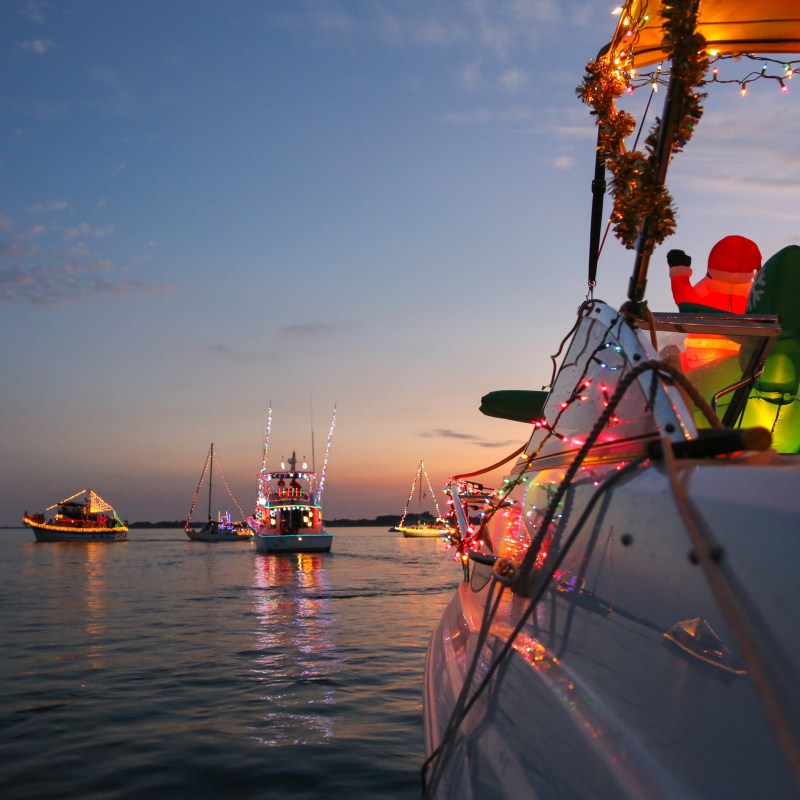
(614,610)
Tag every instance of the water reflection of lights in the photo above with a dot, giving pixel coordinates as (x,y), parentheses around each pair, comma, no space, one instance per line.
(92,589)
(295,658)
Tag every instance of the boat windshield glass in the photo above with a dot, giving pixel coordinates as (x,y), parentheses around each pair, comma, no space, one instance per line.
(719,355)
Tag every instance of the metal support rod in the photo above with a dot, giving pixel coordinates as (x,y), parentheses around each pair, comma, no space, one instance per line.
(644,243)
(598,193)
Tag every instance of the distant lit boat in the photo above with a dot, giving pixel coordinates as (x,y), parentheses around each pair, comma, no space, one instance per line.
(88,519)
(222,529)
(288,513)
(420,529)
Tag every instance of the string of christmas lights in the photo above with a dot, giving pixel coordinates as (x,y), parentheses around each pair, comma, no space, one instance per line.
(411,494)
(783,72)
(327,455)
(263,475)
(578,394)
(636,189)
(199,486)
(206,469)
(228,489)
(421,471)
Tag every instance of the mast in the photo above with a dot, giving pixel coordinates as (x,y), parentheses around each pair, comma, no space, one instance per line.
(419,494)
(210,476)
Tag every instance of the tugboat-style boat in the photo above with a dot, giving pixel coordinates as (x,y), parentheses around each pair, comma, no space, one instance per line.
(288,513)
(82,517)
(222,529)
(629,626)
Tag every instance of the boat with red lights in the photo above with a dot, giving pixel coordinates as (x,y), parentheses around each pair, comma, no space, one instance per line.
(288,513)
(223,528)
(627,627)
(82,517)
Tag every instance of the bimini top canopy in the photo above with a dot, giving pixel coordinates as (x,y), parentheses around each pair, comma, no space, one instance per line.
(729,27)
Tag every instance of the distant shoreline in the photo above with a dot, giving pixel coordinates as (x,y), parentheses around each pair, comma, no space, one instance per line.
(384,520)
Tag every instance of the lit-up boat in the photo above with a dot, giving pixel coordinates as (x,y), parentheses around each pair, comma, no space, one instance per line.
(82,517)
(419,527)
(223,528)
(288,513)
(629,625)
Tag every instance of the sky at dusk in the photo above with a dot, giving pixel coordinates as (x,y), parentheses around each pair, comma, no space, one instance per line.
(210,207)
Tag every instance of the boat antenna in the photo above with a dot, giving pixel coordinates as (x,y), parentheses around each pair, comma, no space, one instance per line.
(311,414)
(327,454)
(263,483)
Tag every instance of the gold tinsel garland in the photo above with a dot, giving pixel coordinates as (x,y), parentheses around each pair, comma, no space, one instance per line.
(635,188)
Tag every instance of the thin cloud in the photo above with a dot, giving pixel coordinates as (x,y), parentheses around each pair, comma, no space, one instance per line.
(446,433)
(86,231)
(48,287)
(309,330)
(488,116)
(33,231)
(34,10)
(513,80)
(118,169)
(49,205)
(37,46)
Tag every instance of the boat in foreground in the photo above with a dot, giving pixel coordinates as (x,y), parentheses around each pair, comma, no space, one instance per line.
(288,513)
(82,517)
(223,528)
(629,624)
(422,526)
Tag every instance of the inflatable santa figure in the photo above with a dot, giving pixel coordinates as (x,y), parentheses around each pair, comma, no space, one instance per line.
(732,266)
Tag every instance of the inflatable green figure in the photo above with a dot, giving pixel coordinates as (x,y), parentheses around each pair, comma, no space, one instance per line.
(774,402)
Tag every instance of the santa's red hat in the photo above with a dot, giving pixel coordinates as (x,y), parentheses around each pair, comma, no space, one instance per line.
(734,259)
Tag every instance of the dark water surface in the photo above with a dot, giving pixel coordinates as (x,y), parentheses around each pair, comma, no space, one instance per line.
(162,667)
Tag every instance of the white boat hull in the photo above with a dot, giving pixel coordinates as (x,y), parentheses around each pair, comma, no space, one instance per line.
(592,700)
(585,685)
(293,543)
(216,535)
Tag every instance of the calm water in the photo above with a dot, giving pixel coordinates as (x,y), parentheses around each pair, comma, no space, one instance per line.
(162,667)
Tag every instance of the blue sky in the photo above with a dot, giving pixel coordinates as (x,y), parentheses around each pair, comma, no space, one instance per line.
(206,207)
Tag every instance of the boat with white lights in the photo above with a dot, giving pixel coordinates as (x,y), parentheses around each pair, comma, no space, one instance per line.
(223,528)
(288,514)
(419,525)
(81,517)
(628,623)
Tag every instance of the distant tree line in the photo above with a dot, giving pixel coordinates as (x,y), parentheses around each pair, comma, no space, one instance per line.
(389,520)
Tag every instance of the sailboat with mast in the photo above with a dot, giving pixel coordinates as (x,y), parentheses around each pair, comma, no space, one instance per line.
(421,527)
(223,528)
(288,512)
